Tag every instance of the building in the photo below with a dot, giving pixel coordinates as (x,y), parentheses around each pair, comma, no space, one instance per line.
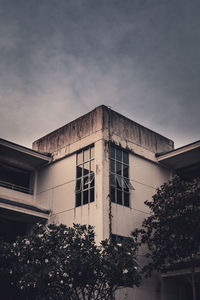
(97,170)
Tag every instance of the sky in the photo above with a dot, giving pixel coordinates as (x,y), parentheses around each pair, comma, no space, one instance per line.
(59,59)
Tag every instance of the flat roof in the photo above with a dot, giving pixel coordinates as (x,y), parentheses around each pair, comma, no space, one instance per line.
(21,156)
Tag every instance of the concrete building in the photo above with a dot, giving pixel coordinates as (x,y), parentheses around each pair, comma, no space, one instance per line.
(97,170)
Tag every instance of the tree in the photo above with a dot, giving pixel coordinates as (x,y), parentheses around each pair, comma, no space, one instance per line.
(59,263)
(172,231)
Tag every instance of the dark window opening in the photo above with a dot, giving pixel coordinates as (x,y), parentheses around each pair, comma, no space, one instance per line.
(10,229)
(115,238)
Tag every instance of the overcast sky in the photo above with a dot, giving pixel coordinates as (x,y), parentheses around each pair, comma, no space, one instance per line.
(60,59)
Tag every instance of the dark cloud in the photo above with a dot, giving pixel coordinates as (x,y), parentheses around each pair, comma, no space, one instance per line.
(60,59)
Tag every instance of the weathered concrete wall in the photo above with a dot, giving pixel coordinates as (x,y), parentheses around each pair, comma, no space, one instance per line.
(146,175)
(130,131)
(73,132)
(71,137)
(56,187)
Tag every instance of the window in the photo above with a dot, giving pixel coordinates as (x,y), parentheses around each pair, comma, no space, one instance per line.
(115,238)
(85,177)
(119,176)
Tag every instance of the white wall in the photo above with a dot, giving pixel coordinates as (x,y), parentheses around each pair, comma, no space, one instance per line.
(146,176)
(56,189)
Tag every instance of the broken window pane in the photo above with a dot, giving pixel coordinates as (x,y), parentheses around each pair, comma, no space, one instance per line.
(85,182)
(90,178)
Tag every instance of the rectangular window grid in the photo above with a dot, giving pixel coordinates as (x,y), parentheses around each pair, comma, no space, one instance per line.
(119,176)
(85,176)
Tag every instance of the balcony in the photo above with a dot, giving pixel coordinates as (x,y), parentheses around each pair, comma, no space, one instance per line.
(16,187)
(17,179)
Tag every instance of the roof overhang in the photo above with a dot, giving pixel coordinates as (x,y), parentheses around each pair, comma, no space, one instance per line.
(25,211)
(180,158)
(20,156)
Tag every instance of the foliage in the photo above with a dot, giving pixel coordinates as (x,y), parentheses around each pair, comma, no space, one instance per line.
(59,262)
(172,231)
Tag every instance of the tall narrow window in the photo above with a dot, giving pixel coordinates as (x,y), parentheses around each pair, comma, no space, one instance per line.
(85,177)
(119,176)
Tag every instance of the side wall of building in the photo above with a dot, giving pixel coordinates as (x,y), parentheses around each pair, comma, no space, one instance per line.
(146,175)
(56,189)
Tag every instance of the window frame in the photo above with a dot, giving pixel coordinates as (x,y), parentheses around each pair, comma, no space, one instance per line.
(120,184)
(85,177)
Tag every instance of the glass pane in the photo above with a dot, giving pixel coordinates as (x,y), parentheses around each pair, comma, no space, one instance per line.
(92,179)
(78,171)
(125,157)
(119,154)
(125,170)
(92,152)
(128,184)
(92,195)
(112,152)
(118,168)
(119,182)
(87,155)
(78,199)
(85,182)
(79,158)
(126,199)
(112,179)
(112,166)
(86,168)
(78,185)
(85,197)
(112,194)
(125,184)
(119,197)
(92,166)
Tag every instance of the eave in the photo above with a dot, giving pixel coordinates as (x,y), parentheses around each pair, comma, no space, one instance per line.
(180,158)
(21,156)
